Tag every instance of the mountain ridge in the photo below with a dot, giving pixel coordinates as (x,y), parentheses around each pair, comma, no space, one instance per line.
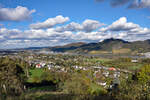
(108,45)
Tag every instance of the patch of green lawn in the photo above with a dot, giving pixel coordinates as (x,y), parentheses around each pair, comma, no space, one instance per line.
(100,60)
(135,67)
(123,65)
(37,72)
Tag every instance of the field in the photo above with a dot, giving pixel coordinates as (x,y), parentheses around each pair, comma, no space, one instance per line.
(124,65)
(121,51)
(98,52)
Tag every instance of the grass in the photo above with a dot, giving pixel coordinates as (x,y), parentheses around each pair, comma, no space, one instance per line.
(137,66)
(100,60)
(98,52)
(35,73)
(124,65)
(121,51)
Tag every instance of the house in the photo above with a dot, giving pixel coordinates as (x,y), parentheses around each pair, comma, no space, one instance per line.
(43,64)
(50,66)
(102,83)
(38,66)
(85,69)
(97,68)
(106,74)
(116,74)
(147,55)
(57,66)
(134,61)
(30,57)
(112,69)
(80,67)
(105,68)
(76,67)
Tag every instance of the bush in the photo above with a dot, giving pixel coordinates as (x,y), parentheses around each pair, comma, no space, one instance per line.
(95,89)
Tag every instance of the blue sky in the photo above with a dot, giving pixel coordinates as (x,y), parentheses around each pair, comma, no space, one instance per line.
(26,23)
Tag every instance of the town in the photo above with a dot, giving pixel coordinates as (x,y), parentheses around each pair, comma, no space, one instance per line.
(105,73)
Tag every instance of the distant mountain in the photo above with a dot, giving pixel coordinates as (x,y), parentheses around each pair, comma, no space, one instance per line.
(107,46)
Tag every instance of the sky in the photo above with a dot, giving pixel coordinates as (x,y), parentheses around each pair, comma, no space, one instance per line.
(41,23)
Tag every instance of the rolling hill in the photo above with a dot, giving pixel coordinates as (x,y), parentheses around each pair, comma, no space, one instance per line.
(107,46)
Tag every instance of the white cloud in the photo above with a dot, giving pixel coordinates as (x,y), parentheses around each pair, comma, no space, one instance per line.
(120,25)
(90,25)
(6,33)
(133,4)
(139,31)
(87,26)
(73,32)
(140,4)
(51,22)
(15,14)
(69,27)
(145,3)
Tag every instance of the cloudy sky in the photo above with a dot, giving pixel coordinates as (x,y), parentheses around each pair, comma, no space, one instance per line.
(39,23)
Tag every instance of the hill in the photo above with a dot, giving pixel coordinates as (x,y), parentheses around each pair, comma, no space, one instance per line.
(111,45)
(67,47)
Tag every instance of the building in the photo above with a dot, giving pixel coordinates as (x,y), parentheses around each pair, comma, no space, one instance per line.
(134,61)
(147,55)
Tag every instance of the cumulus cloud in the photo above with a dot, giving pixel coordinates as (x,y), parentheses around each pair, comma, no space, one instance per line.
(90,25)
(126,30)
(132,4)
(73,32)
(7,34)
(87,26)
(15,14)
(51,22)
(140,4)
(70,27)
(145,3)
(139,31)
(120,25)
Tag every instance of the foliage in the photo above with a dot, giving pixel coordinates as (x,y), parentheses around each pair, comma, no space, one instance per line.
(133,89)
(12,77)
(95,89)
(146,60)
(144,74)
(82,84)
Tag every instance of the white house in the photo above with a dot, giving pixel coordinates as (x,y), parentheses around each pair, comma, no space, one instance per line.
(38,66)
(147,55)
(134,61)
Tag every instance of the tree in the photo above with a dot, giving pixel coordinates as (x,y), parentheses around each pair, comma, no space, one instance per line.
(11,77)
(144,75)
